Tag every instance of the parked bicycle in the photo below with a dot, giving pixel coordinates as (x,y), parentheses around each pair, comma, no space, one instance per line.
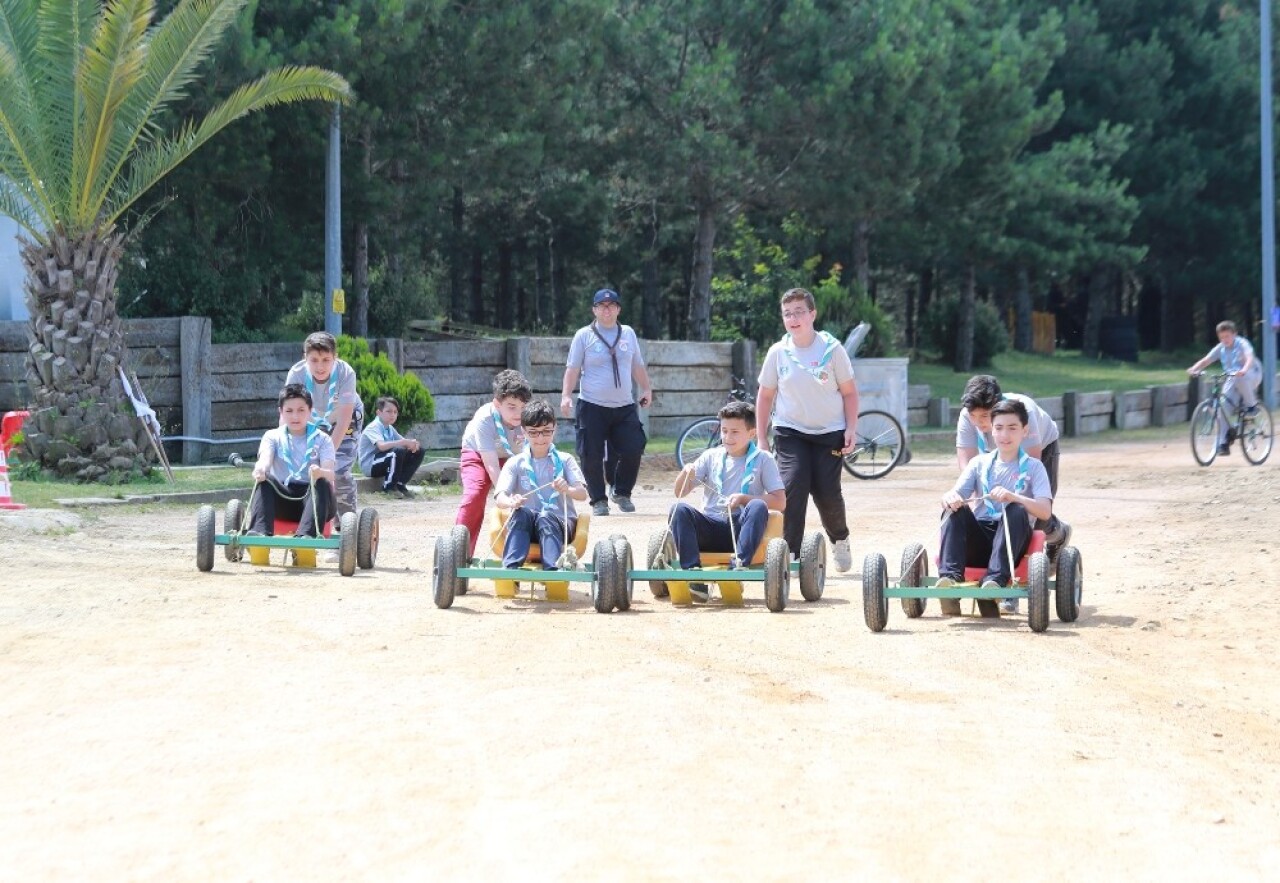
(1252,428)
(880,443)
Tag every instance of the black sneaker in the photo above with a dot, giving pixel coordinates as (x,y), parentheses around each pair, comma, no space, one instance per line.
(600,507)
(1224,450)
(700,592)
(625,504)
(1250,411)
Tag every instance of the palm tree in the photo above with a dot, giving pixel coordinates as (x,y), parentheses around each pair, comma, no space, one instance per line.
(84,89)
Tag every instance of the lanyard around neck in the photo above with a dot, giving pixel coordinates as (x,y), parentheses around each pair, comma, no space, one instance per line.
(286,451)
(502,433)
(331,392)
(993,508)
(749,469)
(547,501)
(818,371)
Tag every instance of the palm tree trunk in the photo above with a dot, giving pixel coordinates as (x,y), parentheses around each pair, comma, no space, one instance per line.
(83,425)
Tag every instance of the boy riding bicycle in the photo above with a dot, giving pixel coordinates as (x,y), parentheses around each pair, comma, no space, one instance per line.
(1245,373)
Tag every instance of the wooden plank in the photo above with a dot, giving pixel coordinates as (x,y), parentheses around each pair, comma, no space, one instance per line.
(232,358)
(551,350)
(426,355)
(1052,406)
(1095,423)
(458,407)
(917,395)
(235,416)
(687,404)
(155,361)
(1091,404)
(476,382)
(707,379)
(152,332)
(687,353)
(245,387)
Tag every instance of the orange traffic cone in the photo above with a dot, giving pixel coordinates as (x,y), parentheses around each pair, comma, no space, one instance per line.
(6,501)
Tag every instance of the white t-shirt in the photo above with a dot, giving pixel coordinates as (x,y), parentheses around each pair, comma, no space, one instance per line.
(808,383)
(1041,430)
(589,352)
(487,433)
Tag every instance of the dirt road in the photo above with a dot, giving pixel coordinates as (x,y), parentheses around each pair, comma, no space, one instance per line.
(255,724)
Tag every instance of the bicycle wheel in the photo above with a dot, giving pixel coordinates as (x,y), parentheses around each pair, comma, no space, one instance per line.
(878,448)
(1204,433)
(1256,433)
(697,437)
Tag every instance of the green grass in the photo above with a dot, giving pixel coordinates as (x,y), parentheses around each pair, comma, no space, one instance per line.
(41,492)
(1039,376)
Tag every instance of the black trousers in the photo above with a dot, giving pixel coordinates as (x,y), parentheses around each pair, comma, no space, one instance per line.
(809,469)
(395,466)
(292,502)
(1049,459)
(620,430)
(968,542)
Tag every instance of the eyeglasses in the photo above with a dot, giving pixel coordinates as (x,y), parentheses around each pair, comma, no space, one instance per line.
(798,314)
(539,433)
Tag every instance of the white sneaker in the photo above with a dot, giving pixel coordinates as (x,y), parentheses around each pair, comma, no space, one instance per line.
(1009,605)
(842,556)
(331,557)
(949,606)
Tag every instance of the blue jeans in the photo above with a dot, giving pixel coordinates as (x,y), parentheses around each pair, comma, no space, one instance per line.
(968,542)
(695,531)
(549,528)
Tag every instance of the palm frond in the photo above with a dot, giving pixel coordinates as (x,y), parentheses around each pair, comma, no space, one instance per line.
(65,28)
(19,104)
(175,49)
(281,86)
(15,205)
(109,68)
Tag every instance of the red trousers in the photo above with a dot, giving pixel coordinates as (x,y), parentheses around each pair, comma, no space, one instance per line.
(475,494)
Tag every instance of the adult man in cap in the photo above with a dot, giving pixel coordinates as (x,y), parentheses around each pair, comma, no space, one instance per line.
(605,357)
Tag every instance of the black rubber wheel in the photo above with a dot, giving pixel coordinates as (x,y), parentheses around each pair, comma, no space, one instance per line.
(661,555)
(461,539)
(697,437)
(915,567)
(813,566)
(206,529)
(1256,436)
(367,532)
(625,585)
(347,543)
(875,606)
(878,447)
(777,574)
(1069,585)
(443,573)
(233,524)
(604,587)
(1038,592)
(1204,433)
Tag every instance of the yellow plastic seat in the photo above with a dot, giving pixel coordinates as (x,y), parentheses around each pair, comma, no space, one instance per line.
(715,562)
(772,529)
(498,537)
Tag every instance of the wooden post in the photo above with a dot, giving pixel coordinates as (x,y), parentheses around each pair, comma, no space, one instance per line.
(744,363)
(195,347)
(393,348)
(1157,405)
(1194,395)
(938,412)
(518,355)
(1071,414)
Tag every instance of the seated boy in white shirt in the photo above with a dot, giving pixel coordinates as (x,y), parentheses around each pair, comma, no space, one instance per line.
(294,459)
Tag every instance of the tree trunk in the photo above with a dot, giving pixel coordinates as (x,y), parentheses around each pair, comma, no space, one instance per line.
(477,286)
(504,299)
(82,424)
(1022,338)
(360,282)
(1096,291)
(700,285)
(965,321)
(862,255)
(459,307)
(652,308)
(926,295)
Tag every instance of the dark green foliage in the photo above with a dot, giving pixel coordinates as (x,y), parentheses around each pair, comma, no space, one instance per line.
(376,376)
(938,331)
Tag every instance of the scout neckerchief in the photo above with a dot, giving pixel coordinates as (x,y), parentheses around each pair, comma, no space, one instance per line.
(502,433)
(286,452)
(819,371)
(331,391)
(993,508)
(557,470)
(749,470)
(613,351)
(388,432)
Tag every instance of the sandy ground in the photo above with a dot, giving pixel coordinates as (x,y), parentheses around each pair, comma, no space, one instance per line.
(265,724)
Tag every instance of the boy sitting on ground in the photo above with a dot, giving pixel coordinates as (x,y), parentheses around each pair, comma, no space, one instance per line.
(385,453)
(736,477)
(539,485)
(1013,488)
(294,470)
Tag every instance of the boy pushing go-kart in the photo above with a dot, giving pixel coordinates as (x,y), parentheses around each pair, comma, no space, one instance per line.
(1013,489)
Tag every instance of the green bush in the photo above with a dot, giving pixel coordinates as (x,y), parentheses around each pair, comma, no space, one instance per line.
(840,309)
(942,318)
(376,377)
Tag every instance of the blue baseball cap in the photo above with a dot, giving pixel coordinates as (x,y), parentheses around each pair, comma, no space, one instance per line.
(604,296)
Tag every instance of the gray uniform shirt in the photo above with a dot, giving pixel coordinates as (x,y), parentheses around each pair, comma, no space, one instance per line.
(985,472)
(340,389)
(373,434)
(482,434)
(589,353)
(515,479)
(1041,430)
(807,380)
(716,468)
(292,455)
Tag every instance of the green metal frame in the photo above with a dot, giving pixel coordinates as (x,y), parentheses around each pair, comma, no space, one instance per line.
(247,542)
(962,590)
(491,569)
(708,575)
